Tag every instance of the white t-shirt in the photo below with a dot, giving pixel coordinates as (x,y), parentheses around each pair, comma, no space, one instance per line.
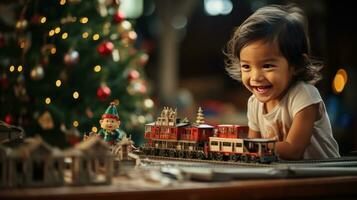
(279,120)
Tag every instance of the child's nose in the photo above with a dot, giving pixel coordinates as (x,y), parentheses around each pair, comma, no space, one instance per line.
(257,75)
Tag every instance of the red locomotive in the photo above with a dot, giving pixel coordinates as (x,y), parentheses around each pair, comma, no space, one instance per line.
(170,137)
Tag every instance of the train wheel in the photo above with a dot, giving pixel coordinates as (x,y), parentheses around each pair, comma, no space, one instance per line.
(254,159)
(201,156)
(219,156)
(181,154)
(233,157)
(153,152)
(162,152)
(244,158)
(172,153)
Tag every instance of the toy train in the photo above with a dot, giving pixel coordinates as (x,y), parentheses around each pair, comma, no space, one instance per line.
(170,137)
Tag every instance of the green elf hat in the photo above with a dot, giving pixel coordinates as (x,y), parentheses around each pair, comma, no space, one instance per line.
(111,112)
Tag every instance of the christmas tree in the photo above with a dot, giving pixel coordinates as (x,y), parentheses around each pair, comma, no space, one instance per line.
(64,61)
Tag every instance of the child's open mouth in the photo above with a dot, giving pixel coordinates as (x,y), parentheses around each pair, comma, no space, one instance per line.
(262,89)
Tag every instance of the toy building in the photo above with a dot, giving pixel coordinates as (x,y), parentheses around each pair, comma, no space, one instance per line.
(34,164)
(90,163)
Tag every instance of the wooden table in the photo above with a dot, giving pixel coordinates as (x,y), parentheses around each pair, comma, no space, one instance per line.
(344,187)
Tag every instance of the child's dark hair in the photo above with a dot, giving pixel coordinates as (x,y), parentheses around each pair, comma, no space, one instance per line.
(285,26)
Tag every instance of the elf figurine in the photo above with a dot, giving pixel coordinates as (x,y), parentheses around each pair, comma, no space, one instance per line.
(110,126)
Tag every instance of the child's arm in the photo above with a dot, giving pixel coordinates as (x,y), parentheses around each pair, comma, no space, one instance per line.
(299,135)
(253,134)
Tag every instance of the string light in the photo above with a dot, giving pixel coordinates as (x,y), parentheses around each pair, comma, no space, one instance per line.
(19,68)
(96,36)
(62,2)
(94,129)
(64,35)
(51,33)
(84,20)
(43,20)
(57,30)
(12,68)
(48,100)
(58,83)
(97,68)
(75,123)
(75,95)
(85,35)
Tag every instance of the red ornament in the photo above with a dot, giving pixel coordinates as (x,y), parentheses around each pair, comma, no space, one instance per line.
(133,75)
(8,119)
(105,48)
(103,92)
(118,17)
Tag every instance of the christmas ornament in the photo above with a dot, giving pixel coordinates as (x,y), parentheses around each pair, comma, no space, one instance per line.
(118,17)
(105,48)
(89,113)
(24,43)
(124,26)
(71,57)
(103,92)
(129,36)
(9,119)
(133,75)
(37,73)
(46,121)
(143,59)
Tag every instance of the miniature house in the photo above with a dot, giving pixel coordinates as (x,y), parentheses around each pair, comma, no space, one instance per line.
(36,164)
(9,132)
(90,163)
(123,148)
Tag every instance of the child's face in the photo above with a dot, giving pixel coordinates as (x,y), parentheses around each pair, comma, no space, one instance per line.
(265,71)
(109,124)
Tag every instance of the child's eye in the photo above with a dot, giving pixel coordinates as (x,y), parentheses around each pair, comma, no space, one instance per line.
(245,67)
(268,66)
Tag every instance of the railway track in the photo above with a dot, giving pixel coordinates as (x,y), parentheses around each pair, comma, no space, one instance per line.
(159,161)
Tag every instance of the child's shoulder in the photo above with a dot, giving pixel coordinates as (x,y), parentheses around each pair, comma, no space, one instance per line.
(303,88)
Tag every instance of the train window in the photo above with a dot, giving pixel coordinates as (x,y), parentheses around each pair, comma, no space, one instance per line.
(214,143)
(226,144)
(238,144)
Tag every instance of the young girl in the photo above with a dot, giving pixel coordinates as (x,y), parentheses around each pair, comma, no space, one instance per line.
(269,54)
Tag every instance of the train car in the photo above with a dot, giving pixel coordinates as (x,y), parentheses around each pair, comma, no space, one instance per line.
(170,137)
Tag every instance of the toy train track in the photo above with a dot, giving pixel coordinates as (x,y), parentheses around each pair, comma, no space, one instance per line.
(159,160)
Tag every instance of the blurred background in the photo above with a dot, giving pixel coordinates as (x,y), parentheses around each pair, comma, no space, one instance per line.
(184,41)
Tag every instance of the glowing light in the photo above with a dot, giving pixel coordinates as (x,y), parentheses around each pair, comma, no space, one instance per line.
(97,68)
(218,7)
(62,2)
(53,50)
(19,68)
(85,35)
(12,68)
(64,35)
(57,30)
(148,103)
(58,83)
(51,33)
(48,100)
(94,129)
(339,81)
(84,20)
(75,123)
(75,95)
(96,36)
(141,119)
(43,20)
